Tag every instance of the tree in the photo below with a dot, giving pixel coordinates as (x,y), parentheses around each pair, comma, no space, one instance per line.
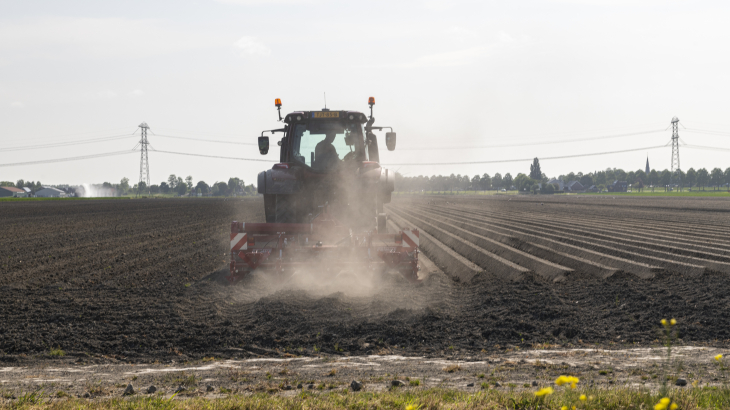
(727,176)
(181,188)
(703,178)
(142,187)
(497,180)
(202,186)
(164,188)
(475,182)
(107,185)
(691,178)
(233,184)
(220,189)
(189,182)
(665,178)
(124,185)
(716,177)
(7,183)
(535,172)
(619,174)
(507,181)
(172,181)
(154,189)
(21,183)
(486,181)
(586,181)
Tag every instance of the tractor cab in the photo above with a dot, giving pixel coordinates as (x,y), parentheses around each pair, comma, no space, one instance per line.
(327,157)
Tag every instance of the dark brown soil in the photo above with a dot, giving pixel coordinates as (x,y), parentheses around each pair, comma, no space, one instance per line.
(136,280)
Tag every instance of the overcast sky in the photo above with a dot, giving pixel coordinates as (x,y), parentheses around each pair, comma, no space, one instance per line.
(449,74)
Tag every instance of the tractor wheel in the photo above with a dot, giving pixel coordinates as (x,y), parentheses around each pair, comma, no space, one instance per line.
(270,208)
(285,212)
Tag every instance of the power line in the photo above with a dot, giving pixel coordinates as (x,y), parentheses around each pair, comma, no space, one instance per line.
(215,156)
(523,144)
(530,159)
(50,161)
(66,143)
(709,132)
(205,140)
(706,148)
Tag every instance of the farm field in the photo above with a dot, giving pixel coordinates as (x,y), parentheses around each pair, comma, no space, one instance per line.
(135,280)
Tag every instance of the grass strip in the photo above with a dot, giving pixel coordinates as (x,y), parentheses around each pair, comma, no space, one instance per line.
(687,398)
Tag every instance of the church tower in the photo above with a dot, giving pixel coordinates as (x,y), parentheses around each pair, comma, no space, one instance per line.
(647,165)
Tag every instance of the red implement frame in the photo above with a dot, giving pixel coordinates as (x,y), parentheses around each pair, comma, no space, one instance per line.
(282,249)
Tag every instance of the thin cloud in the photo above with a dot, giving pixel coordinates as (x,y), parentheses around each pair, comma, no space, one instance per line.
(17,104)
(251,46)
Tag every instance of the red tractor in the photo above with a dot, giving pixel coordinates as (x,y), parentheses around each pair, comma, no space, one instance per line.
(324,200)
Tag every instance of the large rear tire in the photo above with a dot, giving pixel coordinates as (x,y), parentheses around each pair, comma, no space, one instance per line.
(270,208)
(285,210)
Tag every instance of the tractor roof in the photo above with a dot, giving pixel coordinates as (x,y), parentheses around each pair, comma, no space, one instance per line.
(298,116)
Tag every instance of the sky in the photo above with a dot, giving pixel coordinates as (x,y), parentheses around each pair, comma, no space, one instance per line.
(453,78)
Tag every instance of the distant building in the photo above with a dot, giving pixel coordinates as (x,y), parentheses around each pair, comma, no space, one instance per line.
(593,188)
(50,192)
(648,170)
(560,184)
(618,186)
(6,191)
(574,186)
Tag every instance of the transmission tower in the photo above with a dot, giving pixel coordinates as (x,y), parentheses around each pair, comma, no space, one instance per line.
(675,148)
(144,163)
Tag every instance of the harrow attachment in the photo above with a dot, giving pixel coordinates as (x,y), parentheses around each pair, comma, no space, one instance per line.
(283,249)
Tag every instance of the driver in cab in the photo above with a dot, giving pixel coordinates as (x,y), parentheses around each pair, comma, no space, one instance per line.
(325,154)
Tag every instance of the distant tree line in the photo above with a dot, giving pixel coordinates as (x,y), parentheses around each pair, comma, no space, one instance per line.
(537,180)
(176,185)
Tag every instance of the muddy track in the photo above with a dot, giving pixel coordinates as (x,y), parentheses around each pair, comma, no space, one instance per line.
(137,280)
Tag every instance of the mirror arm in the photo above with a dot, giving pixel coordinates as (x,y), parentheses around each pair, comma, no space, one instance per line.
(273,131)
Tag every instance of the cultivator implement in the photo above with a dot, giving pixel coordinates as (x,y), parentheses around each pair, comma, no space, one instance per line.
(324,245)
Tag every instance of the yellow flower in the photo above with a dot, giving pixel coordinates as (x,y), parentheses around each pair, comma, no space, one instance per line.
(663,404)
(673,322)
(564,408)
(664,322)
(718,357)
(544,391)
(582,397)
(410,407)
(673,406)
(567,380)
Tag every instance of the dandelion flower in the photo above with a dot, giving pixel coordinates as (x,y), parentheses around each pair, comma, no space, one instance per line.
(582,397)
(544,391)
(673,322)
(664,322)
(718,357)
(564,408)
(410,407)
(673,406)
(663,404)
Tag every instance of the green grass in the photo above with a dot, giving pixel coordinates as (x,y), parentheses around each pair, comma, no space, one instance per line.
(614,399)
(456,193)
(57,352)
(661,192)
(11,199)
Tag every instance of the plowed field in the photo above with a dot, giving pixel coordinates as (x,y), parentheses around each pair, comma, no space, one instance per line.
(136,280)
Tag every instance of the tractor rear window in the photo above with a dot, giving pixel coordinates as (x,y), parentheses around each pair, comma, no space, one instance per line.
(322,145)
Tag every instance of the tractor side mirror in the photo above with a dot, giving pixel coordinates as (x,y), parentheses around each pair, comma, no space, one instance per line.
(390,140)
(264,145)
